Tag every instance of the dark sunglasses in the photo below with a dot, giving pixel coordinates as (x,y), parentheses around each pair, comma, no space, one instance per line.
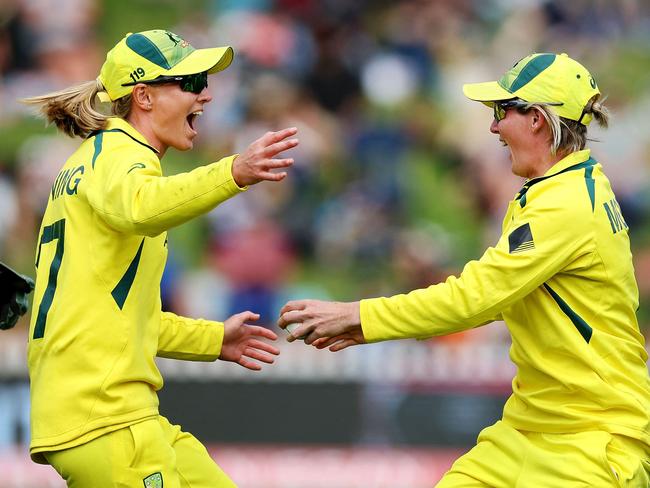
(500,108)
(189,83)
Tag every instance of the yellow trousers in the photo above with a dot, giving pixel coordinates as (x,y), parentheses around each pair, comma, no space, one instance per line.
(507,458)
(149,454)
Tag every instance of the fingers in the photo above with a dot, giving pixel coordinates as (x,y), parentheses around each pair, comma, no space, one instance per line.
(324,342)
(263,346)
(292,317)
(291,313)
(343,345)
(272,137)
(261,352)
(246,316)
(252,365)
(263,173)
(293,305)
(279,147)
(336,343)
(256,163)
(295,333)
(259,355)
(268,176)
(280,163)
(262,332)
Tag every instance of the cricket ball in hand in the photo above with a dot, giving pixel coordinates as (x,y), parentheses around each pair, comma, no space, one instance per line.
(290,328)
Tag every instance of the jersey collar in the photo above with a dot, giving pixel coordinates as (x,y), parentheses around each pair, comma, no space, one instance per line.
(570,160)
(574,161)
(124,126)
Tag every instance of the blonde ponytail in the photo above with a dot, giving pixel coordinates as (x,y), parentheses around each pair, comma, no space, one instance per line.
(599,112)
(72,109)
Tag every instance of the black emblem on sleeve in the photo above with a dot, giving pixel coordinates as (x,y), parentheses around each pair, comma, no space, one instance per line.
(521,239)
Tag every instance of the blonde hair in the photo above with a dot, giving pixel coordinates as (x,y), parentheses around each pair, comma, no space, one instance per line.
(568,135)
(73,109)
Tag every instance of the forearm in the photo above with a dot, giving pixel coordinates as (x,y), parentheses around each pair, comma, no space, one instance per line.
(478,296)
(422,314)
(189,339)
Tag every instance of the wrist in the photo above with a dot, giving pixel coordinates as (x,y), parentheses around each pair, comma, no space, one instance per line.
(219,337)
(354,314)
(236,177)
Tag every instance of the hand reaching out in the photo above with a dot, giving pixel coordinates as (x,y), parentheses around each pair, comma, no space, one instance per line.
(255,164)
(324,324)
(240,342)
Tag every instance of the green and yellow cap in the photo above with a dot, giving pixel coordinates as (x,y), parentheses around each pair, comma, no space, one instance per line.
(144,56)
(542,78)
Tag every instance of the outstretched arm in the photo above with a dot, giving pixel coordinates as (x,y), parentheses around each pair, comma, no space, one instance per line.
(132,196)
(206,340)
(505,274)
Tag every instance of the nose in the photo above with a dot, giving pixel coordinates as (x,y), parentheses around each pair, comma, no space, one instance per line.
(494,127)
(205,96)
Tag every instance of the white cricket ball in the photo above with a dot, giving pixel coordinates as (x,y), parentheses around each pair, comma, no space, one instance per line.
(291,329)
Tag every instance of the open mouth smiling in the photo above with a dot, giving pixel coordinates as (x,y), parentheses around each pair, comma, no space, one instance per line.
(191,118)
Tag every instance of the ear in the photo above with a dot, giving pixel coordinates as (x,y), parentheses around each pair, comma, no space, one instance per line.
(141,97)
(537,120)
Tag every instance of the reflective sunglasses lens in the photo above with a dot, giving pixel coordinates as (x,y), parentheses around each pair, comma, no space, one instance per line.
(195,83)
(499,112)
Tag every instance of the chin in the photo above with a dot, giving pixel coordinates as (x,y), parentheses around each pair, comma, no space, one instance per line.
(184,145)
(517,172)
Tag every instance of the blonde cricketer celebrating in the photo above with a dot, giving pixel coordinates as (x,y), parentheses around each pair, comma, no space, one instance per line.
(97,323)
(561,278)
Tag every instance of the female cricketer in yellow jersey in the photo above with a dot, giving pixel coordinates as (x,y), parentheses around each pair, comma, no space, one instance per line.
(97,324)
(561,278)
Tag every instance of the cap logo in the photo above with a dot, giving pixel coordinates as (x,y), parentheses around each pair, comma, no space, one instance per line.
(532,69)
(173,37)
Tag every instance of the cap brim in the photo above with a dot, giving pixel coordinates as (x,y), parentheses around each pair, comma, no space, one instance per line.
(211,60)
(488,91)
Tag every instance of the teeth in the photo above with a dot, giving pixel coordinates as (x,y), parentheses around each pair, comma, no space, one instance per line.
(198,113)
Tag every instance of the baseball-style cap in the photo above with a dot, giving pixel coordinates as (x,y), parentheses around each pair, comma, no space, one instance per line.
(144,56)
(542,78)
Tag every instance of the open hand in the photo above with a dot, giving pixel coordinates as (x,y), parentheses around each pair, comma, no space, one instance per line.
(240,342)
(255,164)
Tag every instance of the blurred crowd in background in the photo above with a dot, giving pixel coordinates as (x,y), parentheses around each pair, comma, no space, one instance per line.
(397,180)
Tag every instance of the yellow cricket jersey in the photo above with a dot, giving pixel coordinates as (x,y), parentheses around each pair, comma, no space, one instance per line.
(96,323)
(562,279)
